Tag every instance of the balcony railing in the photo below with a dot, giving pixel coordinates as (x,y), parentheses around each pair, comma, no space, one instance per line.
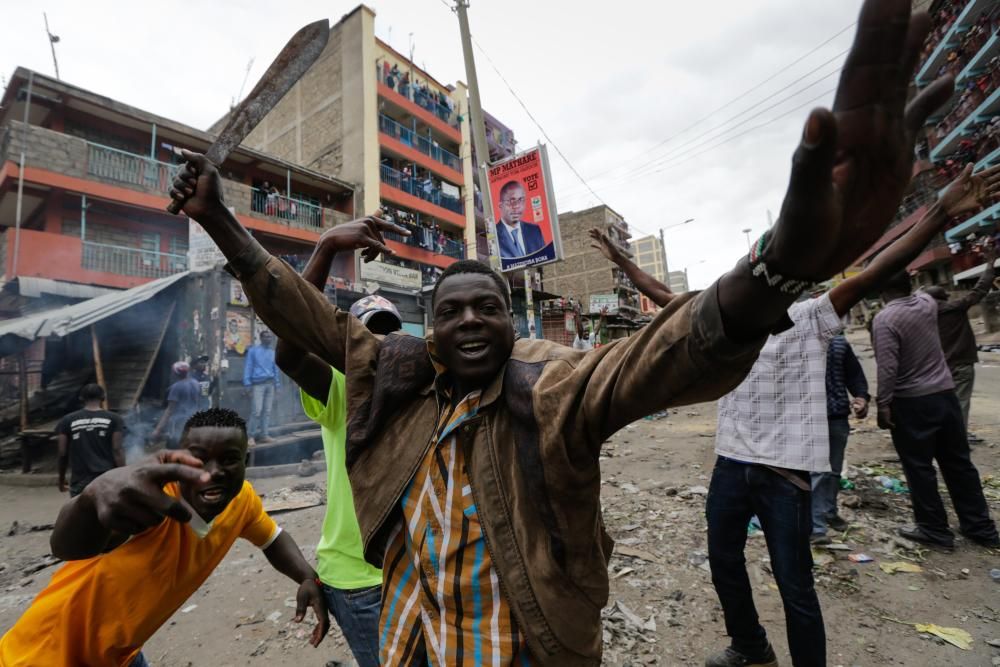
(286,209)
(423,144)
(427,239)
(419,94)
(420,188)
(125,167)
(72,156)
(125,261)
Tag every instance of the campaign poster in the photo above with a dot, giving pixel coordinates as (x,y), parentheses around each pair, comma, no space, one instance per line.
(239,336)
(527,226)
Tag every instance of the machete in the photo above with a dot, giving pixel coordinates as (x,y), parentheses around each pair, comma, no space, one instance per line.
(299,54)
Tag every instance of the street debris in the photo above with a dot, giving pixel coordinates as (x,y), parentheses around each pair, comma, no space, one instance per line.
(899,566)
(295,498)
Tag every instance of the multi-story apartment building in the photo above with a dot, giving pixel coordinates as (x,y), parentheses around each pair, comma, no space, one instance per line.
(585,275)
(649,257)
(93,191)
(368,115)
(965,44)
(677,281)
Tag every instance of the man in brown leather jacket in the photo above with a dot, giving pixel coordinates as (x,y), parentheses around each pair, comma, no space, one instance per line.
(473,458)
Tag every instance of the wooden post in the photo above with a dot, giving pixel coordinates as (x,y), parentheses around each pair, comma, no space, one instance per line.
(22,381)
(99,365)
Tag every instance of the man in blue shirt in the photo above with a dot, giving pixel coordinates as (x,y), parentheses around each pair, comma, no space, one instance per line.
(182,402)
(261,376)
(843,375)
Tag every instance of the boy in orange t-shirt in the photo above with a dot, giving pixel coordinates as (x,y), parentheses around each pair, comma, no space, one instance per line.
(140,540)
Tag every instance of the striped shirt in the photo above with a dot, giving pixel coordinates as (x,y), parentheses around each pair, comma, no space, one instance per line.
(441,601)
(908,349)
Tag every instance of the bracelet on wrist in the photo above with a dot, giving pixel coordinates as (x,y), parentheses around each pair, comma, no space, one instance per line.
(776,281)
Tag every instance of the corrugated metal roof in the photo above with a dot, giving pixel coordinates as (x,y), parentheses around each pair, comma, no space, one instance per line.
(63,321)
(34,287)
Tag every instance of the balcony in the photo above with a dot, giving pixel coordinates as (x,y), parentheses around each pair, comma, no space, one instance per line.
(59,257)
(443,122)
(135,262)
(59,160)
(969,14)
(421,195)
(289,210)
(420,95)
(986,219)
(410,138)
(989,107)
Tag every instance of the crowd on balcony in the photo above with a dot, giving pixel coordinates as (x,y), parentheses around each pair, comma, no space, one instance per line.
(974,93)
(982,139)
(941,20)
(269,200)
(420,182)
(972,40)
(418,92)
(425,232)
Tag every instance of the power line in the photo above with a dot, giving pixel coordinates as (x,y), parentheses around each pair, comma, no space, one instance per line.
(687,147)
(535,120)
(737,98)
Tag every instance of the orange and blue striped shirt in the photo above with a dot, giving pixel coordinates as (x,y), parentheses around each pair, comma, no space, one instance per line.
(441,599)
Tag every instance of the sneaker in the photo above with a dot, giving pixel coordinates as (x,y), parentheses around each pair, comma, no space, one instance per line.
(838,522)
(819,539)
(264,439)
(733,658)
(917,534)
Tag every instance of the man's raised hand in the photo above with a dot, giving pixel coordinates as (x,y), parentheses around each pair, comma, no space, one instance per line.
(852,167)
(198,188)
(364,234)
(604,244)
(970,192)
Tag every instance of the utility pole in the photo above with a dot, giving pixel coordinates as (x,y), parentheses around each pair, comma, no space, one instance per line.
(666,267)
(478,127)
(52,43)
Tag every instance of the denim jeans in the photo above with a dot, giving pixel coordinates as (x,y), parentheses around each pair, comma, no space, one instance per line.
(737,492)
(139,661)
(356,612)
(826,485)
(260,410)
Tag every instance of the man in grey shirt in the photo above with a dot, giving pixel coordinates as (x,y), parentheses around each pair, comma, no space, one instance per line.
(917,401)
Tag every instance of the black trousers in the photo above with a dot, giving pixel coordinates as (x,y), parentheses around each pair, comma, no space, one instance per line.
(929,428)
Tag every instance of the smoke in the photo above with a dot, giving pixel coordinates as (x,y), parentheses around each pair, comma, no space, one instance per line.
(137,432)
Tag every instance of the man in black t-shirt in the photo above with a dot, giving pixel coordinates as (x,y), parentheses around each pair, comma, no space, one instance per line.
(90,441)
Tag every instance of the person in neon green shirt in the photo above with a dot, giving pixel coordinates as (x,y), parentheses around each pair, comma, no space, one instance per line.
(352,587)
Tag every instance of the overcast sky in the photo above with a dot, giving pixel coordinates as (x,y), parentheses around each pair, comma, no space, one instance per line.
(615,85)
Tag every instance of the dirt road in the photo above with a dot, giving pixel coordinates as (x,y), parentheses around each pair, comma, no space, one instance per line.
(662,608)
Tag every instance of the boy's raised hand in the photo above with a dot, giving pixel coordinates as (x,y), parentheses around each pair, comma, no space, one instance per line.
(309,595)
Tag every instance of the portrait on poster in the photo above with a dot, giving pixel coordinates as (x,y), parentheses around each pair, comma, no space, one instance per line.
(526,225)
